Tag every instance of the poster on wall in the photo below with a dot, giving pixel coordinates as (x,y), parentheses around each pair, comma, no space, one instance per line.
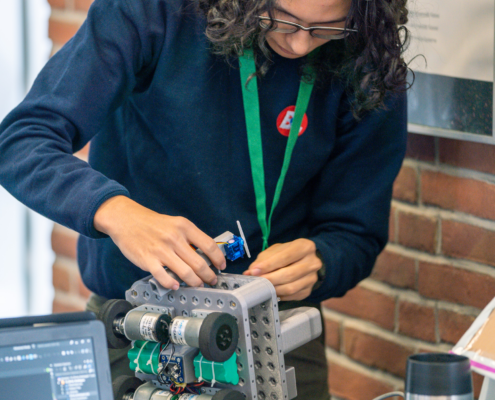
(451,52)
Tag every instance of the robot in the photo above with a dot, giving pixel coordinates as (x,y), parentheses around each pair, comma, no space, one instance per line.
(222,342)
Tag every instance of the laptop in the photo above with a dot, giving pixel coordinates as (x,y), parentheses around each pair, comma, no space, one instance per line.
(54,357)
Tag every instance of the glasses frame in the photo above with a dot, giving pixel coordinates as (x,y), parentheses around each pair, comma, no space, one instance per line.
(311,29)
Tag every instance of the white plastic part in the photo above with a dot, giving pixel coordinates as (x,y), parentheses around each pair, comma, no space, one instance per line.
(243,238)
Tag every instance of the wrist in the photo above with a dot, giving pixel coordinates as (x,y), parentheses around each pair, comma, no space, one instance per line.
(108,212)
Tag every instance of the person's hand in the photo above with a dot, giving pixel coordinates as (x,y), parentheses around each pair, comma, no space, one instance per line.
(151,241)
(291,267)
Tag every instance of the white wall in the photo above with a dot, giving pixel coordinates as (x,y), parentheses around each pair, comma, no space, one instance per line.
(25,271)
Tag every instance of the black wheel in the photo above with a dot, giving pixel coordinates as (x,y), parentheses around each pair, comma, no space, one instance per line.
(218,337)
(227,394)
(109,312)
(125,385)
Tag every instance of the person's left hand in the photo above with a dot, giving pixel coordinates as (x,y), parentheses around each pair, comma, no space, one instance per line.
(291,267)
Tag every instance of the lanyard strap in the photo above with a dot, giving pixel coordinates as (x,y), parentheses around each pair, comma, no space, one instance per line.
(253,126)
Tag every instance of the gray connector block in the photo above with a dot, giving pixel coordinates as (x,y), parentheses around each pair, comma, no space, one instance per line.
(265,335)
(298,325)
(224,237)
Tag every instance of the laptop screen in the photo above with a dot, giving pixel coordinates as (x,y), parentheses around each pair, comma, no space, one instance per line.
(61,369)
(66,361)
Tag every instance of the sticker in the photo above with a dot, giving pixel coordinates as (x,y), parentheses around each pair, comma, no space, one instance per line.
(188,397)
(147,327)
(284,121)
(162,395)
(178,331)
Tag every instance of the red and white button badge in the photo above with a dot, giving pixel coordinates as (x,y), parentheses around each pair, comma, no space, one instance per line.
(285,118)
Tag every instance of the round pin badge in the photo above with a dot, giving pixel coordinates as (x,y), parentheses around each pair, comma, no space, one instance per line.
(284,121)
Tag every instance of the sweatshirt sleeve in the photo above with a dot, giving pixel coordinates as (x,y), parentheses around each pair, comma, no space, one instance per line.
(112,55)
(351,203)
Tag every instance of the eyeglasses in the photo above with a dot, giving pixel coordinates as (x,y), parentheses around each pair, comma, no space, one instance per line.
(320,32)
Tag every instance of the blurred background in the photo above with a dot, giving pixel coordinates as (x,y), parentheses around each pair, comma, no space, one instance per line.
(26,257)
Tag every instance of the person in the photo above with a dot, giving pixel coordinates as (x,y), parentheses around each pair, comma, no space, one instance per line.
(156,86)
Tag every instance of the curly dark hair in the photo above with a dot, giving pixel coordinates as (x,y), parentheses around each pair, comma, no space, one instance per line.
(369,61)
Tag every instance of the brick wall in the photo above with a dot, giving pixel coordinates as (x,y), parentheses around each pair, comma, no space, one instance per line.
(429,284)
(432,280)
(70,293)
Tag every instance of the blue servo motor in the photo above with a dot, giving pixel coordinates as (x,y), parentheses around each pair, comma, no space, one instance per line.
(234,248)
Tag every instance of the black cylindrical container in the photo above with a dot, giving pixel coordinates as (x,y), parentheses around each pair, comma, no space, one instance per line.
(438,375)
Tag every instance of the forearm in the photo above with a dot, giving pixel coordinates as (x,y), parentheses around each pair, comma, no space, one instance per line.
(38,168)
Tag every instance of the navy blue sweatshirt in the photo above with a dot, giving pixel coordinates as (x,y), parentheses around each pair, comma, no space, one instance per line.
(166,123)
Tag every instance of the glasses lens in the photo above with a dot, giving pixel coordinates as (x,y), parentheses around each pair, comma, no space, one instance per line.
(278,26)
(328,34)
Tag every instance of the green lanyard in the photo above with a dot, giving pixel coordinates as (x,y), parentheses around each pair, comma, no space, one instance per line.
(253,126)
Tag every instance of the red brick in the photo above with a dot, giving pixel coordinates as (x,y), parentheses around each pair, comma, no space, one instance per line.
(64,244)
(468,241)
(366,304)
(452,325)
(418,231)
(83,4)
(460,194)
(391,226)
(57,3)
(421,147)
(351,385)
(395,270)
(60,278)
(59,307)
(417,321)
(444,282)
(470,155)
(61,32)
(332,334)
(405,185)
(376,352)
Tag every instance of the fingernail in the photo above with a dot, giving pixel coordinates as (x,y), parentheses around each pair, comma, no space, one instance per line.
(214,282)
(256,272)
(175,287)
(223,266)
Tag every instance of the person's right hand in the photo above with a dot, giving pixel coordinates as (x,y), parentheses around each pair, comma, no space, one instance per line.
(151,241)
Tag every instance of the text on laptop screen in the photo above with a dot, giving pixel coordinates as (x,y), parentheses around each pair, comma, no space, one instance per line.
(55,370)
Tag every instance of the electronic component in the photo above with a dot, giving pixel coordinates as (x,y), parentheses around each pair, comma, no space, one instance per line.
(176,364)
(234,248)
(236,325)
(144,357)
(130,388)
(211,371)
(216,335)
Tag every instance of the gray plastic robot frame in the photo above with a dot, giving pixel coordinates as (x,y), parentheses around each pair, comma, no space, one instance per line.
(190,335)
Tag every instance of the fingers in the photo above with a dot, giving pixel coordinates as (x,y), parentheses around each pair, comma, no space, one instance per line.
(291,268)
(151,241)
(202,241)
(294,272)
(280,256)
(197,264)
(297,290)
(163,278)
